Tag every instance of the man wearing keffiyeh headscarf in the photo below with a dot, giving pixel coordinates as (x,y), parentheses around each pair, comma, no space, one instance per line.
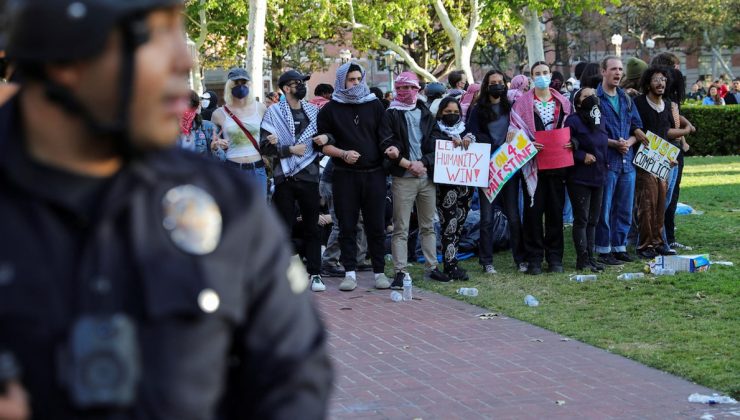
(408,138)
(349,130)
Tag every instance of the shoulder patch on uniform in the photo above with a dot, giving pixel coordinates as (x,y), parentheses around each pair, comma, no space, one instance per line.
(297,275)
(192,218)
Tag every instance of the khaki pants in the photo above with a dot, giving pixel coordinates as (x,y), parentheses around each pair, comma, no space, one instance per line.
(406,191)
(650,192)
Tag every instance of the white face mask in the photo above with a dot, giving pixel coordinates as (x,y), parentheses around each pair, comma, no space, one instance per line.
(205,102)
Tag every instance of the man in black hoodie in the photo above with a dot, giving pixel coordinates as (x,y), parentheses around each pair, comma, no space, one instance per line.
(208,104)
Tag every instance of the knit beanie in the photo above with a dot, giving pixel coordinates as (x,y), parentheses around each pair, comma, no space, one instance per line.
(635,68)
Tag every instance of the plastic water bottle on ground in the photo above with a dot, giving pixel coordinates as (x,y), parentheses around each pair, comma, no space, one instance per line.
(664,272)
(529,300)
(407,288)
(580,278)
(467,291)
(711,399)
(396,297)
(631,276)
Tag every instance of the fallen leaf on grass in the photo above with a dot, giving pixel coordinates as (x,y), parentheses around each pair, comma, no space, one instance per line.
(700,295)
(559,402)
(689,316)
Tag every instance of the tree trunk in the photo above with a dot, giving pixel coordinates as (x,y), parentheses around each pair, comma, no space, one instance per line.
(717,55)
(256,45)
(533,32)
(276,67)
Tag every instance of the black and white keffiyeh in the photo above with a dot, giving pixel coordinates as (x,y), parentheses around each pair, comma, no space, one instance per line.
(278,120)
(454,130)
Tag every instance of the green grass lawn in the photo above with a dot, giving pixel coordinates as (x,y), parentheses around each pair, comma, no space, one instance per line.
(688,324)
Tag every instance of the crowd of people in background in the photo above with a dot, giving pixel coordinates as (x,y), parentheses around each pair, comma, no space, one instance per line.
(350,171)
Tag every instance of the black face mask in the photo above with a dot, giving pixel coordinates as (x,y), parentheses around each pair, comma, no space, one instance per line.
(300,92)
(496,91)
(589,111)
(450,119)
(588,103)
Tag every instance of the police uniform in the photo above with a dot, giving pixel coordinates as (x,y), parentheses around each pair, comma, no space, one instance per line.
(189,253)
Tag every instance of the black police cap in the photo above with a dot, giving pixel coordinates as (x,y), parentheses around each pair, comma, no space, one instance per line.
(63,30)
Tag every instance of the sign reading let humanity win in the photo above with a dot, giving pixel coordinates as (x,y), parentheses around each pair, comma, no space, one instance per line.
(656,157)
(457,166)
(506,160)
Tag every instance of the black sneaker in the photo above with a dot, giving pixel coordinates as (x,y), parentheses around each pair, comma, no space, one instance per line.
(609,259)
(331,271)
(457,273)
(437,275)
(666,250)
(595,264)
(646,254)
(555,268)
(623,256)
(534,269)
(398,281)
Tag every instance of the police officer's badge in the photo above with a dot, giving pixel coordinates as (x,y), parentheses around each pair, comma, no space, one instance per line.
(192,218)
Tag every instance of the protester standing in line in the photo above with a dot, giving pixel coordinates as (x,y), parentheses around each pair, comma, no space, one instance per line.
(458,82)
(650,191)
(453,201)
(408,137)
(489,122)
(197,135)
(624,127)
(468,99)
(518,87)
(287,133)
(322,95)
(208,104)
(587,177)
(239,121)
(542,109)
(351,123)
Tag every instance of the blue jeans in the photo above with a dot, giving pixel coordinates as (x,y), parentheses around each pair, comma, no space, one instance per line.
(567,209)
(616,212)
(672,178)
(258,178)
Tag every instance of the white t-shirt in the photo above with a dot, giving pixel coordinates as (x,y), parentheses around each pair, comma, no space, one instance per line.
(239,144)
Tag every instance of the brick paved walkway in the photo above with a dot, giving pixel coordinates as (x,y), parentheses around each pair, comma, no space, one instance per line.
(434,359)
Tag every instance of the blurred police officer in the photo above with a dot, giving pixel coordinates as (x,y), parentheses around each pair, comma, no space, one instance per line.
(129,287)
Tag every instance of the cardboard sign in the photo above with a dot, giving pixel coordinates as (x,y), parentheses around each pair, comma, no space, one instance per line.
(554,155)
(457,166)
(656,157)
(506,160)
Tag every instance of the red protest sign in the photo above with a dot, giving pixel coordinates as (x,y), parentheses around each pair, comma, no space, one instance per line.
(554,155)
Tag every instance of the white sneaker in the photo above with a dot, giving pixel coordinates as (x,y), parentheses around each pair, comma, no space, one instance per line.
(381,281)
(489,269)
(317,285)
(348,284)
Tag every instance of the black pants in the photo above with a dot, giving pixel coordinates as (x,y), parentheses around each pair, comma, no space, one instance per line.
(549,200)
(353,192)
(670,212)
(508,200)
(453,203)
(586,202)
(287,193)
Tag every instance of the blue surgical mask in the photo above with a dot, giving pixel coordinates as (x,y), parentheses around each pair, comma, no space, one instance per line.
(542,82)
(240,91)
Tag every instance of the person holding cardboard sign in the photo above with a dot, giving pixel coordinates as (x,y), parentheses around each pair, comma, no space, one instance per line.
(542,109)
(650,190)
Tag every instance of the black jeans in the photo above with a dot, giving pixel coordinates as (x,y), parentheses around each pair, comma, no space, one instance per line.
(356,191)
(306,194)
(586,202)
(508,200)
(670,213)
(549,199)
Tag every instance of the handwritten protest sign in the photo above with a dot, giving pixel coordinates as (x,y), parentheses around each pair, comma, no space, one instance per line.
(457,166)
(506,160)
(656,157)
(554,155)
